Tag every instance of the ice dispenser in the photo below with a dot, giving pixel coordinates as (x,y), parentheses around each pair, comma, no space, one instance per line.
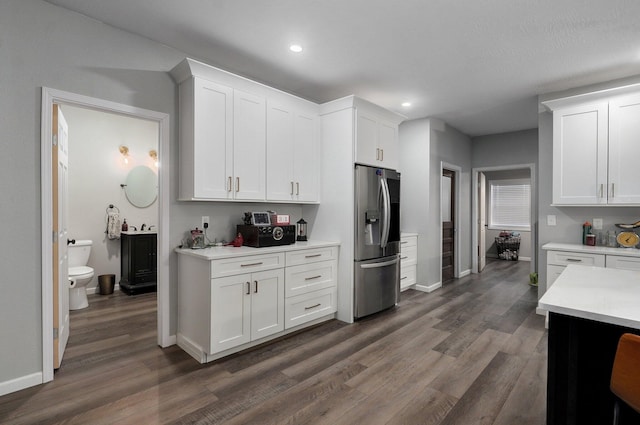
(372,227)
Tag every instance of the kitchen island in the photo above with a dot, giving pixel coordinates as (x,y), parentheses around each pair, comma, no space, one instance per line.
(589,309)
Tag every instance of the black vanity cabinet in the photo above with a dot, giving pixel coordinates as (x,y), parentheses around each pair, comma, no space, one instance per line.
(138,263)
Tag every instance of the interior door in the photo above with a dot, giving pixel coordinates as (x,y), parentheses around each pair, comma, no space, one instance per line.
(60,167)
(482,221)
(448,224)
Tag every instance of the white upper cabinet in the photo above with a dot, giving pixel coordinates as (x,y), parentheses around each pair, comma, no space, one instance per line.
(292,154)
(249,147)
(376,140)
(595,149)
(624,150)
(244,141)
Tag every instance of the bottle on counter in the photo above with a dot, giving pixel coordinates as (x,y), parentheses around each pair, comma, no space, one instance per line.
(125,226)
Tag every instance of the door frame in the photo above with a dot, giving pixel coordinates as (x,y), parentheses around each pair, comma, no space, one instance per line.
(49,97)
(474,210)
(456,215)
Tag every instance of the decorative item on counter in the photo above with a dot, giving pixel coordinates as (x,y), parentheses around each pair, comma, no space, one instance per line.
(197,239)
(302,230)
(629,226)
(237,242)
(591,239)
(628,239)
(611,239)
(586,229)
(125,226)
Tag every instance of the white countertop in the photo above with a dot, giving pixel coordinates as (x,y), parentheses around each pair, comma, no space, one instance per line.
(217,252)
(138,232)
(570,247)
(596,293)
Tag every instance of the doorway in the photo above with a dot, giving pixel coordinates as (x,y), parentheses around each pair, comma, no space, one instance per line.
(480,223)
(449,221)
(51,97)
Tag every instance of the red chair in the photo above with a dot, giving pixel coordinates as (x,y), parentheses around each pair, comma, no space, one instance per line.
(625,377)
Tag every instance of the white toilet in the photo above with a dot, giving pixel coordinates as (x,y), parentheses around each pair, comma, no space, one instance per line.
(79,274)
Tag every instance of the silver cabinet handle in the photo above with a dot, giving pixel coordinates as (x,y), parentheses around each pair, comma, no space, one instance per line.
(381,154)
(601,190)
(574,260)
(297,188)
(237,184)
(256,290)
(230,184)
(291,188)
(312,255)
(613,189)
(251,264)
(377,154)
(404,258)
(403,242)
(313,306)
(403,277)
(313,277)
(248,288)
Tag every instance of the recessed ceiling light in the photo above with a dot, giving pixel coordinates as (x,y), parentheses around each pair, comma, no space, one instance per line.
(296,48)
(406,104)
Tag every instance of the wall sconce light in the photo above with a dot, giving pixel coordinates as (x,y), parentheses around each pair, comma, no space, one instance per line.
(154,154)
(125,153)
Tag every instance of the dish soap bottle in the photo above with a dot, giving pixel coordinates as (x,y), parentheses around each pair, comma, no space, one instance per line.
(125,226)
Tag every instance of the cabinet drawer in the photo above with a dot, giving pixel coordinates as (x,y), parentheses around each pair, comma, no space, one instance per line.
(624,263)
(313,255)
(310,277)
(246,264)
(307,307)
(407,241)
(552,273)
(407,276)
(408,255)
(561,258)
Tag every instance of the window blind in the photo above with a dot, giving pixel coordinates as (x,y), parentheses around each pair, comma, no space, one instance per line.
(510,204)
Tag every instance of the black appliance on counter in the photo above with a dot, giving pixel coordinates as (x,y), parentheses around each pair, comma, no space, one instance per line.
(262,236)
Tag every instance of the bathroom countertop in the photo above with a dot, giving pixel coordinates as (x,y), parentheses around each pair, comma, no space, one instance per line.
(139,232)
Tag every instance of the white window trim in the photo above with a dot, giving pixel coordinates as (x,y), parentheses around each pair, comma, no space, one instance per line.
(491,226)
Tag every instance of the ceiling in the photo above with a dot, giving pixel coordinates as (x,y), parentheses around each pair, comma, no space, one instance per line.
(476,64)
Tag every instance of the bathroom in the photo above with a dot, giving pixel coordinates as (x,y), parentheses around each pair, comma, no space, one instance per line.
(97,169)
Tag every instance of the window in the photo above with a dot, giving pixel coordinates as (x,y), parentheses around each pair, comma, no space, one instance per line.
(510,204)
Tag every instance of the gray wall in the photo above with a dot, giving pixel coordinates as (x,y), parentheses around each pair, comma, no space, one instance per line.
(569,219)
(518,147)
(44,45)
(424,144)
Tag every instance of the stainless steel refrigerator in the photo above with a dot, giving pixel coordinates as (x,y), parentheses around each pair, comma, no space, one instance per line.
(377,240)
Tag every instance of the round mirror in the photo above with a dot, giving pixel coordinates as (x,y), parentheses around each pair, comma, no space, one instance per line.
(141,186)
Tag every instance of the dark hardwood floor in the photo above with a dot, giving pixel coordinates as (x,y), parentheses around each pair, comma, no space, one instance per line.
(473,352)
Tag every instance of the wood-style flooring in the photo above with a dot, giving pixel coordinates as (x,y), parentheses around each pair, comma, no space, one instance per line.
(472,352)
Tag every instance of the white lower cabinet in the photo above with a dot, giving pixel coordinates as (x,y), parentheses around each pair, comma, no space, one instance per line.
(558,260)
(231,303)
(408,261)
(621,262)
(245,308)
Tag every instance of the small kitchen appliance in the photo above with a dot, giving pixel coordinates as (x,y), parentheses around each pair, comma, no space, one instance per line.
(267,235)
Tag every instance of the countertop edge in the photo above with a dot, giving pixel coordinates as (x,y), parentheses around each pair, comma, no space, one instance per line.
(603,250)
(214,253)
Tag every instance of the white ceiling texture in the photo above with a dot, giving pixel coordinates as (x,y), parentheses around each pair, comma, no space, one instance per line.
(476,64)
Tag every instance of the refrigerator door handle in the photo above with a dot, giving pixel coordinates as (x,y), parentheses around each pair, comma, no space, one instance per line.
(386,217)
(378,265)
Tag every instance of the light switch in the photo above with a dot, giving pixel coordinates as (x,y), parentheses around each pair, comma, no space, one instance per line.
(597,223)
(551,220)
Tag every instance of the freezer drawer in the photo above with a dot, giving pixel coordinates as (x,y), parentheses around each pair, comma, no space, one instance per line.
(377,285)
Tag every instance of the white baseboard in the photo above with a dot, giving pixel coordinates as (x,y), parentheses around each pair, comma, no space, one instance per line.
(20,383)
(428,288)
(541,311)
(465,273)
(95,289)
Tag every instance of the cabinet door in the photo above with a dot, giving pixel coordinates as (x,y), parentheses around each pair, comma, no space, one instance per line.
(367,151)
(230,312)
(580,155)
(624,263)
(267,303)
(212,140)
(388,144)
(280,153)
(306,156)
(624,150)
(249,146)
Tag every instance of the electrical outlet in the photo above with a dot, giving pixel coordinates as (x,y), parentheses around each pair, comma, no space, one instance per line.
(597,224)
(205,221)
(551,220)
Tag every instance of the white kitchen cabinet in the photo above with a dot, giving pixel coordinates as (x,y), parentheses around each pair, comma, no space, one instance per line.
(595,150)
(292,154)
(408,261)
(376,140)
(226,123)
(558,260)
(622,262)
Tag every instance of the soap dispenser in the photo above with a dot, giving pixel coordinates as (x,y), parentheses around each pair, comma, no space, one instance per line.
(125,226)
